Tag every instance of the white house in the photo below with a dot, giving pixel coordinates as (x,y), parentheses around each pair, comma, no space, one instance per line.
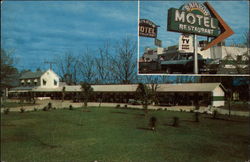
(40,79)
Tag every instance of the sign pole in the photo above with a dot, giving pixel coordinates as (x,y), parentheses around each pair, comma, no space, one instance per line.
(195,56)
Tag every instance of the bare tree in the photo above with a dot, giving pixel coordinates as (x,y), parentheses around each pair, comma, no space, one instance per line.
(67,66)
(123,64)
(102,63)
(86,66)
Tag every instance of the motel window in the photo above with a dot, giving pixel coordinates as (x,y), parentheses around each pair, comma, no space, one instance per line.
(44,82)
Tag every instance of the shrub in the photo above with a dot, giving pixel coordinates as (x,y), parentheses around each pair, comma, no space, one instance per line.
(22,110)
(70,107)
(45,108)
(181,110)
(54,108)
(152,122)
(118,106)
(175,121)
(196,117)
(35,109)
(191,111)
(6,111)
(125,106)
(49,105)
(215,114)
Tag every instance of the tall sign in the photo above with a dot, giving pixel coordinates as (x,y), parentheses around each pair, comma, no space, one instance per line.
(147,28)
(198,19)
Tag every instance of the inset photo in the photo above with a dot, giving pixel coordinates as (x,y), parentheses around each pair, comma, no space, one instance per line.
(198,38)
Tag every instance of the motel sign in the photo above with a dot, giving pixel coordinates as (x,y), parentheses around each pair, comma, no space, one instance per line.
(147,28)
(188,22)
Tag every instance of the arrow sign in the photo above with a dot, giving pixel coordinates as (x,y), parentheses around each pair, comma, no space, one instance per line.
(226,31)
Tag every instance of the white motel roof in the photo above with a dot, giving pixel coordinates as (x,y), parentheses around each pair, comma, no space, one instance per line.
(182,87)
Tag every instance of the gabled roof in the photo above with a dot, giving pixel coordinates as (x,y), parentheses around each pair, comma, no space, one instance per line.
(30,74)
(36,74)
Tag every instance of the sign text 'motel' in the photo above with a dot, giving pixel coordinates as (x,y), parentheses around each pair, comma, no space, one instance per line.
(190,22)
(147,28)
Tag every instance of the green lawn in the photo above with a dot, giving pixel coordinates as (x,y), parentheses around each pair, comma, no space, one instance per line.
(109,134)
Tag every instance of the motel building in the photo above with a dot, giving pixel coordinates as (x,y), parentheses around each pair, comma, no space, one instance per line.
(46,85)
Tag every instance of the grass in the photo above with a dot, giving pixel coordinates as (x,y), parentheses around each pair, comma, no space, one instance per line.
(109,134)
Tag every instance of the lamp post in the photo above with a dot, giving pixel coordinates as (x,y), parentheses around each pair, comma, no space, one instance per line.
(195,55)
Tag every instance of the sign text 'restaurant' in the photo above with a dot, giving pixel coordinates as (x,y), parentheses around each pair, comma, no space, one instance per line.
(188,22)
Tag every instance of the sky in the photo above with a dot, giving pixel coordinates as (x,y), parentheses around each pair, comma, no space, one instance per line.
(38,31)
(234,13)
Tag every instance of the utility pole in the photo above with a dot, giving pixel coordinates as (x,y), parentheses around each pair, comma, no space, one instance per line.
(50,63)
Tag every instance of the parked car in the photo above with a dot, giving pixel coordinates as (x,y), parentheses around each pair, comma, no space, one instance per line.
(184,63)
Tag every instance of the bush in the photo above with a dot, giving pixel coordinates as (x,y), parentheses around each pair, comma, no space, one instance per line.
(6,111)
(181,110)
(54,108)
(191,111)
(175,121)
(118,106)
(22,110)
(196,117)
(152,122)
(70,107)
(215,114)
(125,106)
(49,105)
(35,109)
(45,108)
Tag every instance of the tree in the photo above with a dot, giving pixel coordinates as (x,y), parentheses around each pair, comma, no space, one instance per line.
(153,82)
(67,66)
(87,91)
(102,63)
(144,94)
(123,64)
(87,67)
(63,93)
(9,74)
